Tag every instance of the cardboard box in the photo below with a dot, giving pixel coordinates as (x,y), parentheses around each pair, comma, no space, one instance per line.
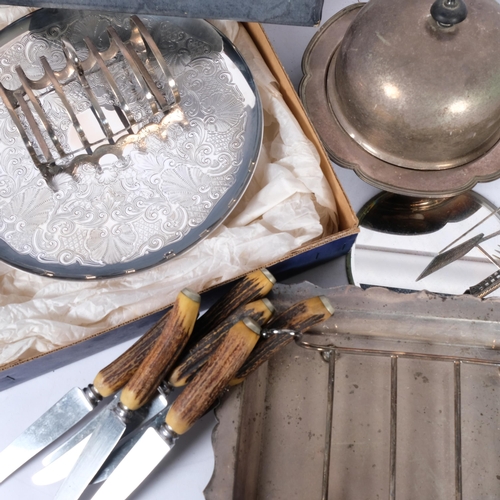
(300,259)
(292,12)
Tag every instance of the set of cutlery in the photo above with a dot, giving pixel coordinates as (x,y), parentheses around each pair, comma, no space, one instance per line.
(232,339)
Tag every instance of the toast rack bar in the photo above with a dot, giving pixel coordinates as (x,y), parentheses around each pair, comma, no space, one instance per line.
(332,353)
(36,130)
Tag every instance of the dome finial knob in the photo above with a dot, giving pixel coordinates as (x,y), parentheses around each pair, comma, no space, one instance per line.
(447,13)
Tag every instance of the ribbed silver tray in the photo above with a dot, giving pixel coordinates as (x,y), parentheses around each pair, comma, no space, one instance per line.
(167,192)
(393,397)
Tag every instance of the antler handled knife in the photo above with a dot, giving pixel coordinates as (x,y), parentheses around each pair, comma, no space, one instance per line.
(78,403)
(136,393)
(298,317)
(60,461)
(75,405)
(191,404)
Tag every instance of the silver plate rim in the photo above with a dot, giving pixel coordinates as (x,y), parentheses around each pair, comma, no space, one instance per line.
(78,272)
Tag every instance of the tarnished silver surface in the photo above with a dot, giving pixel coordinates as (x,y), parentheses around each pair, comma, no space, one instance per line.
(460,320)
(371,406)
(169,189)
(414,93)
(345,151)
(69,410)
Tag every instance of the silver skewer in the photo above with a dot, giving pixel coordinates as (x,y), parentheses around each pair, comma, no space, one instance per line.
(469,230)
(488,256)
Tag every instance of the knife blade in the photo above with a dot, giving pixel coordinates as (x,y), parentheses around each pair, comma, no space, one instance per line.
(191,404)
(70,451)
(75,405)
(66,456)
(300,317)
(136,393)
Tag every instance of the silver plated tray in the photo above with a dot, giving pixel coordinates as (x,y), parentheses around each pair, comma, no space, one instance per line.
(368,403)
(168,190)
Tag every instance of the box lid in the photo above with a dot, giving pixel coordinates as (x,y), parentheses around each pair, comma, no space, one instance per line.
(293,12)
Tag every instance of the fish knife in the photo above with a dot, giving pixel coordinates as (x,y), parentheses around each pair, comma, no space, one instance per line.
(298,317)
(190,405)
(138,391)
(66,455)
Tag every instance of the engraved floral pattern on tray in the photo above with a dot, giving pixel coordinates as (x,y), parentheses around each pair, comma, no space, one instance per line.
(157,193)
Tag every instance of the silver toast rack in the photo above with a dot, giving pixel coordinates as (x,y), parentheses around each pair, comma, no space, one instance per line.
(117,126)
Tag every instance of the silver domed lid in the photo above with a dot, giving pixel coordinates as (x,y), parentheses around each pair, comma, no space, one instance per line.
(415,91)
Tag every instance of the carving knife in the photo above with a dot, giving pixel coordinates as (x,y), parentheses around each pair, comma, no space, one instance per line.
(59,463)
(138,391)
(192,403)
(298,317)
